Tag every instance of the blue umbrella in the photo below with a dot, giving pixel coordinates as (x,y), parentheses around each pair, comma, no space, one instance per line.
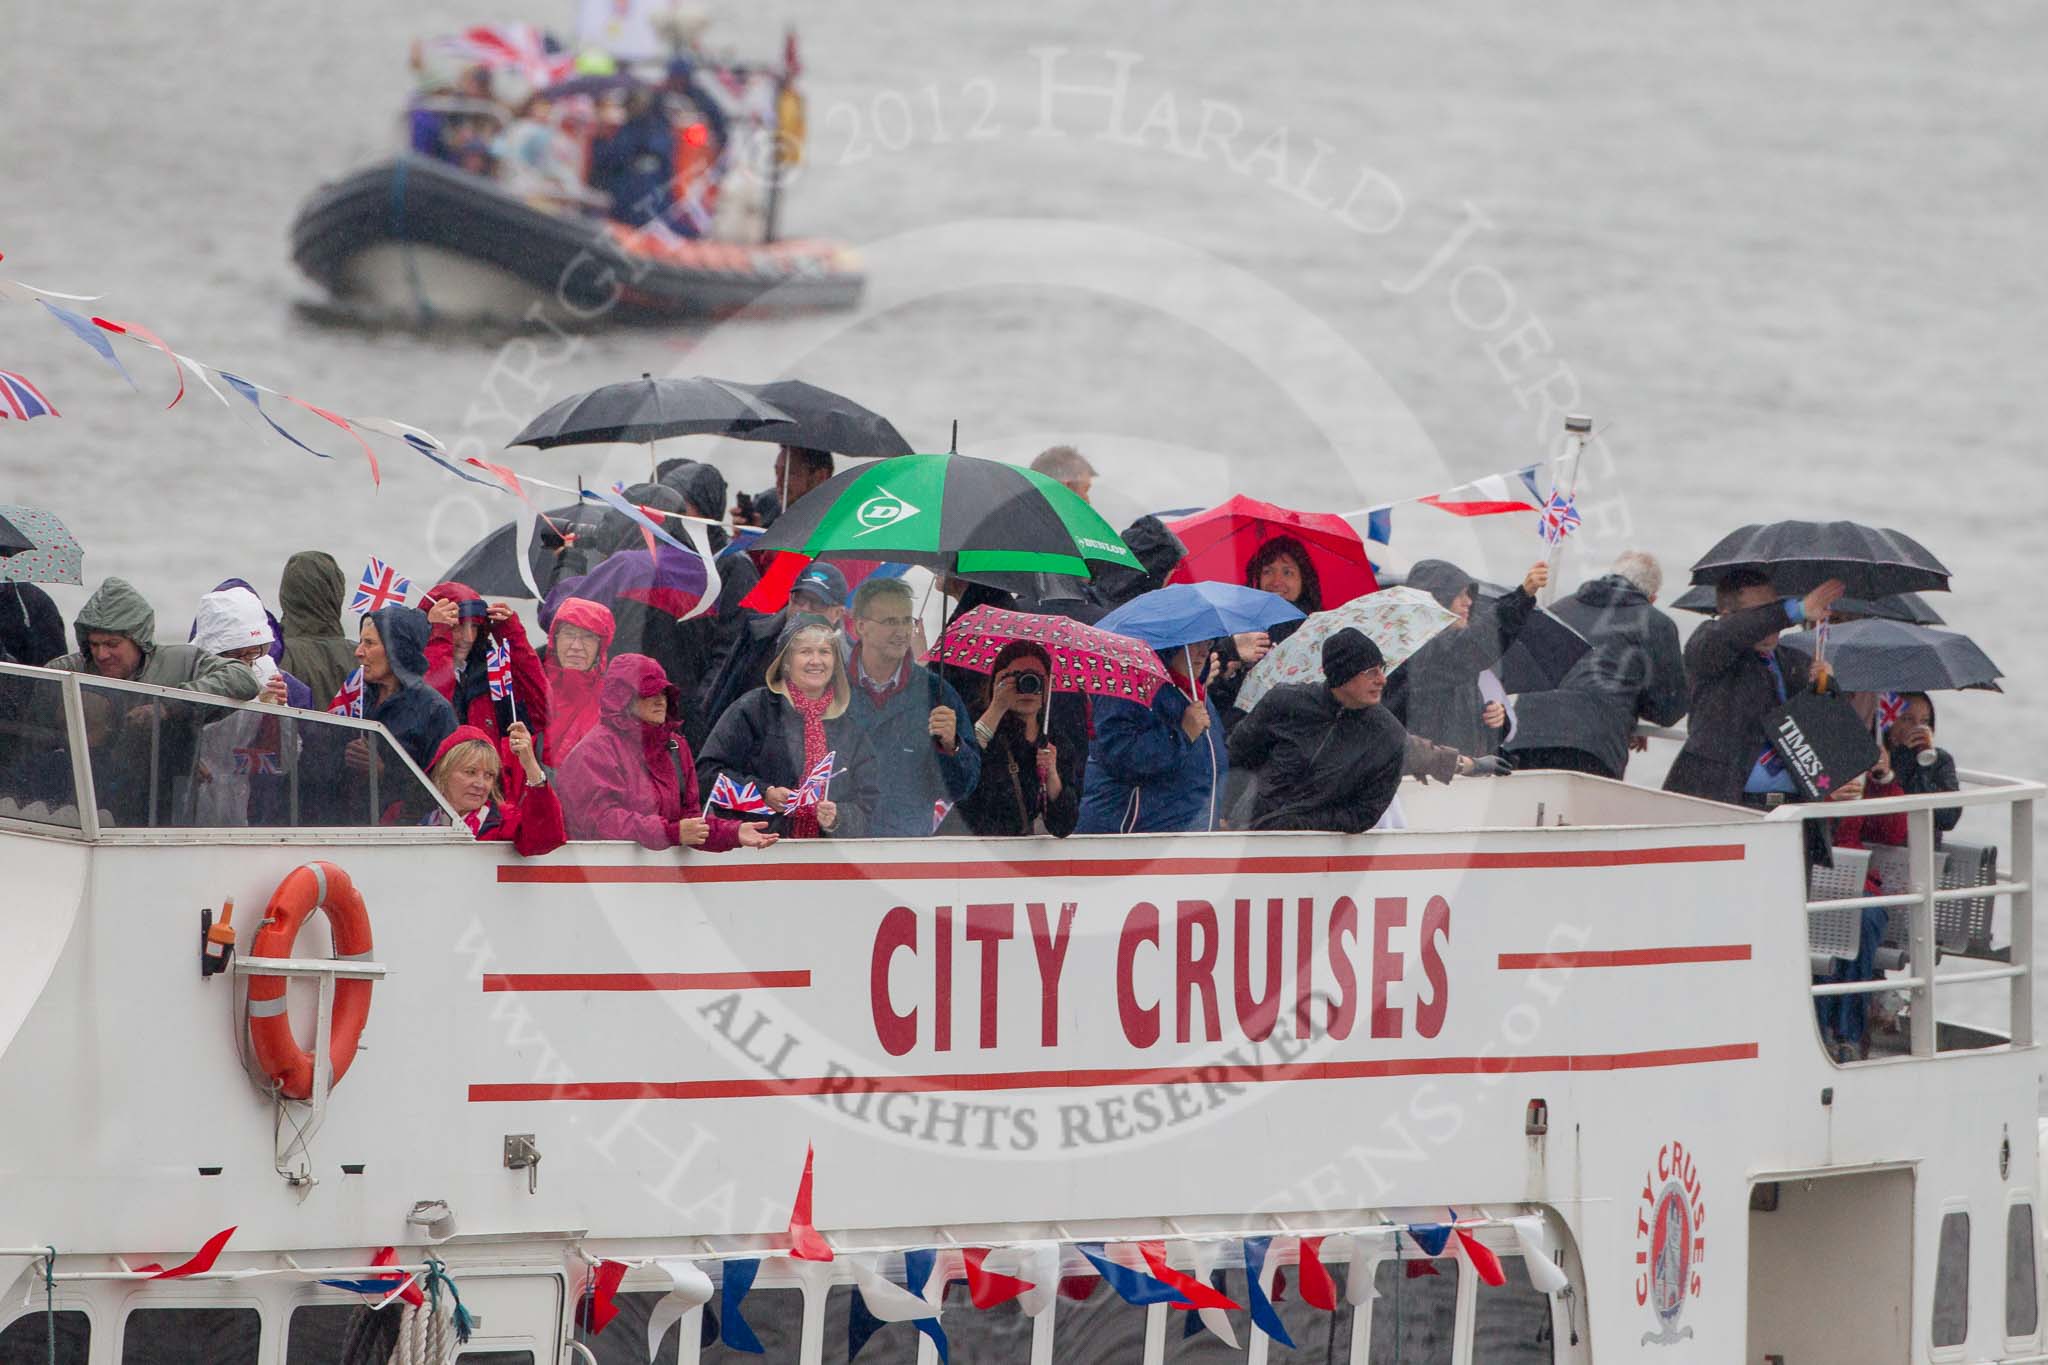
(1187,612)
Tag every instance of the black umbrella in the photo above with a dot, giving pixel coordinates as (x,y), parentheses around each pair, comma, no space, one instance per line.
(1543,653)
(491,566)
(1910,607)
(12,541)
(824,421)
(1798,556)
(1892,656)
(649,409)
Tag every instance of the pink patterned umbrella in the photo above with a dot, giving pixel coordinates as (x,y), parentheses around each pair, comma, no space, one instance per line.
(1084,659)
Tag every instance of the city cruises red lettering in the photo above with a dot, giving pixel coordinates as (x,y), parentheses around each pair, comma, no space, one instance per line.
(1188,970)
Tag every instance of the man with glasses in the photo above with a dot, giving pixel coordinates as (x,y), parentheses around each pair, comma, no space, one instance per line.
(925,751)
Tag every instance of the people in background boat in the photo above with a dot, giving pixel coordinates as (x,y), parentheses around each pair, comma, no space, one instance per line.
(1437,692)
(927,755)
(1066,465)
(792,742)
(466,771)
(1034,756)
(1157,768)
(392,652)
(1738,674)
(316,648)
(798,469)
(579,649)
(536,158)
(466,632)
(820,592)
(1633,670)
(633,777)
(633,160)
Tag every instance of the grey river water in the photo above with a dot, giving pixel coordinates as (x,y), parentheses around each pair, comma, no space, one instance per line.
(1328,254)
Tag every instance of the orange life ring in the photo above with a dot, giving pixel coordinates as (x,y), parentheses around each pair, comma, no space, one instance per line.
(314,886)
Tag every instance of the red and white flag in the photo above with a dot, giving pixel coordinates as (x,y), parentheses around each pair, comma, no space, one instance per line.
(1514,491)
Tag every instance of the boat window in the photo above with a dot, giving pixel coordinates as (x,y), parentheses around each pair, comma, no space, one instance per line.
(2022,1309)
(1415,1316)
(1099,1330)
(624,1339)
(1513,1325)
(1190,1343)
(26,1340)
(1952,1280)
(191,1336)
(777,1317)
(996,1336)
(164,763)
(317,1331)
(893,1343)
(497,1357)
(35,753)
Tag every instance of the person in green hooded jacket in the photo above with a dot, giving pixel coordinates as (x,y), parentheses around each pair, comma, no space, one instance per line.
(116,633)
(317,650)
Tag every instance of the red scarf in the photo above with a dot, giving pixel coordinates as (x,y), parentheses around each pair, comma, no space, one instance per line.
(803,824)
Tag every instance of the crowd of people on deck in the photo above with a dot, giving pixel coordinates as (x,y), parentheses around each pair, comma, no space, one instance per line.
(736,728)
(642,148)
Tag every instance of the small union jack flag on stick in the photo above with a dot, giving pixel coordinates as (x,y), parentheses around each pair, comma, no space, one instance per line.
(1891,706)
(348,698)
(742,800)
(1559,518)
(381,586)
(498,670)
(817,784)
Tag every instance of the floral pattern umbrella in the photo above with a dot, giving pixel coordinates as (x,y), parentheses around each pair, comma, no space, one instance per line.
(1398,620)
(56,558)
(1084,659)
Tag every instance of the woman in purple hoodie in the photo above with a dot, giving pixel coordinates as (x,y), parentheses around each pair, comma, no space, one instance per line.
(633,777)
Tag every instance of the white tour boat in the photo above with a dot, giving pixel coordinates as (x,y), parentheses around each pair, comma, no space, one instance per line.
(1537,1079)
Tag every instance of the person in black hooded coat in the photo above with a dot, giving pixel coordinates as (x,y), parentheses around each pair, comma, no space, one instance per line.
(31,627)
(701,643)
(1436,692)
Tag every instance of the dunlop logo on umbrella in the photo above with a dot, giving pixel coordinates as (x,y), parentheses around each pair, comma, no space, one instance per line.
(883,510)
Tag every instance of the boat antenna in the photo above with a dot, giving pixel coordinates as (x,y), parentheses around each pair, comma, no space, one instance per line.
(955,448)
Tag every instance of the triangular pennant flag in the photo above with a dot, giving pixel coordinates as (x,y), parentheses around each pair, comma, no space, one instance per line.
(1317,1288)
(1196,1293)
(1038,1262)
(376,475)
(599,1304)
(148,338)
(689,1288)
(804,1242)
(1134,1287)
(201,1260)
(1263,1316)
(700,540)
(732,1291)
(917,1272)
(986,1288)
(1484,1263)
(255,400)
(1431,1237)
(615,498)
(711,1333)
(1279,1294)
(1534,1239)
(1079,1288)
(1208,1255)
(771,594)
(411,1292)
(83,329)
(861,1323)
(1368,1249)
(886,1300)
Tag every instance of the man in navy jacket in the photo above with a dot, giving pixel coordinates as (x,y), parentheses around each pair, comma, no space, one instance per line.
(926,758)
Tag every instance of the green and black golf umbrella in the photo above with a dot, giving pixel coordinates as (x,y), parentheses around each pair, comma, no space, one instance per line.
(955,513)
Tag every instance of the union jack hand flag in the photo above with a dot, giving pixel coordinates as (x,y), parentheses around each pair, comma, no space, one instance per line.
(745,800)
(1559,518)
(381,586)
(814,784)
(254,760)
(348,698)
(1890,707)
(20,398)
(939,810)
(498,668)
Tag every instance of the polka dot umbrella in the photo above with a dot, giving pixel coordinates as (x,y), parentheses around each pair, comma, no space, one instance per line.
(56,556)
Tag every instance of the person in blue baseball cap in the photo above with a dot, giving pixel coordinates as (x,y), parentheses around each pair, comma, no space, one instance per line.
(820,590)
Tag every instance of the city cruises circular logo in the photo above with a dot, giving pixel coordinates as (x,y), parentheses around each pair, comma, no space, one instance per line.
(1669,1243)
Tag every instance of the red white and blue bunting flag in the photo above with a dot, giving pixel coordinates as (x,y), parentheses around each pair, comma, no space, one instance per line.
(83,329)
(19,397)
(1208,1260)
(1538,1258)
(804,1242)
(987,1288)
(147,338)
(1134,1287)
(1264,1317)
(385,1289)
(1195,1293)
(599,1303)
(732,1292)
(917,1278)
(1039,1263)
(689,1287)
(1431,1237)
(1480,1257)
(879,1301)
(199,1263)
(1318,1290)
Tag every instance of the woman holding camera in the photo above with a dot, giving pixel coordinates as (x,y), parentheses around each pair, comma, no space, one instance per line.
(1030,782)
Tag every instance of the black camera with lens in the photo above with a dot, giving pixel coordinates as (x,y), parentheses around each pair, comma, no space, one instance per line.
(1029,684)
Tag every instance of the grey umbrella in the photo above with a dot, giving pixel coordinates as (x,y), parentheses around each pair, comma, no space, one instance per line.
(824,421)
(649,409)
(1893,656)
(1798,556)
(1909,607)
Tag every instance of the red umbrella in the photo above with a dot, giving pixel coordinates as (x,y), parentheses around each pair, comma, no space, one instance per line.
(1084,659)
(1222,541)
